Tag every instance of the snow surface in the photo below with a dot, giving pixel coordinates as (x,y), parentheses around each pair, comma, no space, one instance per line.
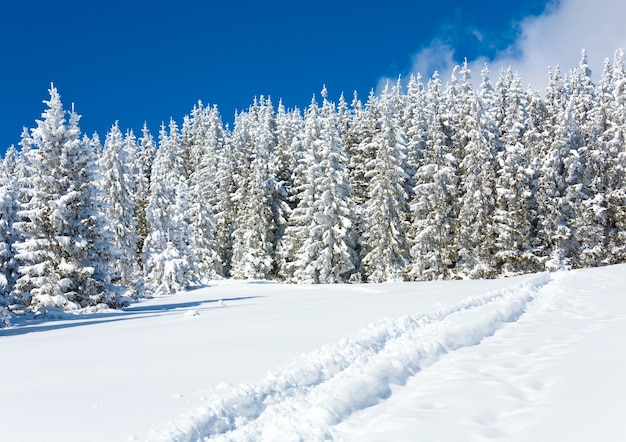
(538,357)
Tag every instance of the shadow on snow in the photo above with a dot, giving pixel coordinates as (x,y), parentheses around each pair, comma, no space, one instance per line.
(27,325)
(181,305)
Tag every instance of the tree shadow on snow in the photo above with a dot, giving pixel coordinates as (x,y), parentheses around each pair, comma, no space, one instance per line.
(182,305)
(25,325)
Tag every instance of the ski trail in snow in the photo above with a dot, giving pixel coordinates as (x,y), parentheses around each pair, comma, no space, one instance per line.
(305,400)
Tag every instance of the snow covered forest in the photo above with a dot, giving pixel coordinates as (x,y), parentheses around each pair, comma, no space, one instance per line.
(430,179)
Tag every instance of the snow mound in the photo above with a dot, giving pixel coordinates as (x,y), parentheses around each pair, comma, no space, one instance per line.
(98,308)
(317,391)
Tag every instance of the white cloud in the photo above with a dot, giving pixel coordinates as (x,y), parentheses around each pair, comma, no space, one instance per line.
(558,36)
(554,38)
(438,56)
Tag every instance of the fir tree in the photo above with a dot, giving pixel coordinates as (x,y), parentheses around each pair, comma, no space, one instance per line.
(615,138)
(65,251)
(169,263)
(118,186)
(415,125)
(434,203)
(475,138)
(283,163)
(590,224)
(254,233)
(515,207)
(385,213)
(305,179)
(326,249)
(206,144)
(146,151)
(555,212)
(8,234)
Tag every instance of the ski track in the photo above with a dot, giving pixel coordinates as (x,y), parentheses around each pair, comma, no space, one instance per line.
(318,390)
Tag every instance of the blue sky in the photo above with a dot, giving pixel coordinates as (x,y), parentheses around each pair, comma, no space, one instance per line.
(149,60)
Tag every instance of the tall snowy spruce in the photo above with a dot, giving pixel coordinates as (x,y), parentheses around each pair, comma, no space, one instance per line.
(614,133)
(515,198)
(66,249)
(433,206)
(8,234)
(325,251)
(204,137)
(294,257)
(475,141)
(169,262)
(118,187)
(283,164)
(253,237)
(593,109)
(385,211)
(558,171)
(415,124)
(146,151)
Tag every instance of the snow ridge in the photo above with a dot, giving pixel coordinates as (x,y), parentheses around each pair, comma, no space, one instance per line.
(319,390)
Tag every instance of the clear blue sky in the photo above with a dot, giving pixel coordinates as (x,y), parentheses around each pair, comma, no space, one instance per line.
(149,60)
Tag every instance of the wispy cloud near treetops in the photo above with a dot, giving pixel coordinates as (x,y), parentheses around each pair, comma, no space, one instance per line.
(556,37)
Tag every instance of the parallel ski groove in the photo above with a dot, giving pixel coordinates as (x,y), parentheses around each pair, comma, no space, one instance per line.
(320,389)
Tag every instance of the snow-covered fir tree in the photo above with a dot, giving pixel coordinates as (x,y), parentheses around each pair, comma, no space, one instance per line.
(306,175)
(8,233)
(146,151)
(476,141)
(385,212)
(435,194)
(592,109)
(169,263)
(551,186)
(254,231)
(515,201)
(225,210)
(615,138)
(118,187)
(205,143)
(326,239)
(282,167)
(415,124)
(66,253)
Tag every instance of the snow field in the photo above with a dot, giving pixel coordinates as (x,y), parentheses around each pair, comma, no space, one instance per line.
(536,357)
(554,374)
(319,390)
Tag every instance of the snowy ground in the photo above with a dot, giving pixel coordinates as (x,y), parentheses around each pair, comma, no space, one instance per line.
(538,357)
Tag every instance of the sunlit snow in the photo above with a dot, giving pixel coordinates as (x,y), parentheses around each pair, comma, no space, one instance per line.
(537,357)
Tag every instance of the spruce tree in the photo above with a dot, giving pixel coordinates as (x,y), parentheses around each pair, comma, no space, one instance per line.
(206,141)
(8,234)
(515,208)
(434,204)
(326,249)
(118,186)
(594,110)
(146,151)
(169,263)
(415,125)
(306,174)
(475,138)
(385,212)
(555,211)
(615,138)
(66,248)
(253,237)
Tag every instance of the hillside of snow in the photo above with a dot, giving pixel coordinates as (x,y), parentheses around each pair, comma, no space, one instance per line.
(538,357)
